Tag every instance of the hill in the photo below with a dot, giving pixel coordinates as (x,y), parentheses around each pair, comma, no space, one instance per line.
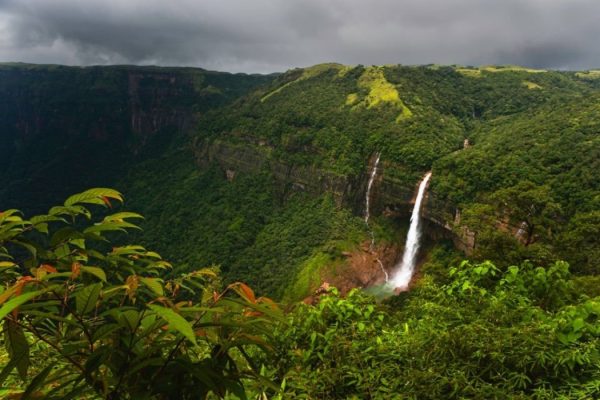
(263,180)
(265,175)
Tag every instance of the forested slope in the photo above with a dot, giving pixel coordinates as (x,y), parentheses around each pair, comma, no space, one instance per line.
(64,129)
(265,176)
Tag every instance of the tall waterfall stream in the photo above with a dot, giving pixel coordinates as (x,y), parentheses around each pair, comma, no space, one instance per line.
(368,210)
(369,187)
(406,267)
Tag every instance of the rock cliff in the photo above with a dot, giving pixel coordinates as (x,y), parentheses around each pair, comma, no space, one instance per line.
(56,122)
(390,196)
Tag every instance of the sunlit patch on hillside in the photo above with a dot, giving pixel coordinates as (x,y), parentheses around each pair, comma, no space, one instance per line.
(380,92)
(592,74)
(531,85)
(470,72)
(351,99)
(511,68)
(474,72)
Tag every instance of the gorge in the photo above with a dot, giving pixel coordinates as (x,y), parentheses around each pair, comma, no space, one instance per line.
(300,139)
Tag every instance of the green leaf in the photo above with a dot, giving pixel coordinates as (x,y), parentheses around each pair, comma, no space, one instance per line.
(122,215)
(4,216)
(86,298)
(44,219)
(15,302)
(17,346)
(104,331)
(97,272)
(71,211)
(37,382)
(153,284)
(78,242)
(130,319)
(7,370)
(94,196)
(110,226)
(577,324)
(40,222)
(175,321)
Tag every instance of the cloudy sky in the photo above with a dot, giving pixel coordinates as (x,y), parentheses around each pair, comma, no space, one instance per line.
(274,35)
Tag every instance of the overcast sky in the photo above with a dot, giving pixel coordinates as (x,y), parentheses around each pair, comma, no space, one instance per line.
(275,35)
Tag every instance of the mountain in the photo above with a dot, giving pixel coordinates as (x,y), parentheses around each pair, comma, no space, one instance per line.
(268,179)
(266,175)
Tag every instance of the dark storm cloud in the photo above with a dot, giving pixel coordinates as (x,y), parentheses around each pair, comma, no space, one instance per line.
(272,35)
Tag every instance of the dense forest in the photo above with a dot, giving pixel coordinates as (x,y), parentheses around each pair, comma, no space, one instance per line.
(252,188)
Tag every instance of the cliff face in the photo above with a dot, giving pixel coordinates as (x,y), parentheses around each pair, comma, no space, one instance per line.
(56,122)
(108,103)
(389,195)
(254,158)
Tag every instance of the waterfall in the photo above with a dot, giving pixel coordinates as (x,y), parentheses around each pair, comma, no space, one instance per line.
(368,210)
(405,270)
(521,230)
(369,187)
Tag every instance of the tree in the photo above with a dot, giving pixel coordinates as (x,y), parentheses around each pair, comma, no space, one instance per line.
(581,242)
(530,207)
(103,320)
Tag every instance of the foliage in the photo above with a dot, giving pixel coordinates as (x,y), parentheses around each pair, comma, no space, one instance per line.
(84,319)
(520,333)
(243,226)
(62,120)
(329,119)
(537,170)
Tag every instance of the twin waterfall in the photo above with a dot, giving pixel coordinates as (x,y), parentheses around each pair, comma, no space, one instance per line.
(405,269)
(407,266)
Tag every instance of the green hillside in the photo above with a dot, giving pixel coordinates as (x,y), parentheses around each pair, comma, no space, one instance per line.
(165,136)
(262,180)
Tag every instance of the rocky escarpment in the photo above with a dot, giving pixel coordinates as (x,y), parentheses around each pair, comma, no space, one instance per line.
(108,103)
(390,196)
(248,157)
(57,121)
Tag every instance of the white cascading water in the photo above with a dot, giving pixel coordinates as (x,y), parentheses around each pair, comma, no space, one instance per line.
(369,187)
(368,210)
(521,230)
(404,273)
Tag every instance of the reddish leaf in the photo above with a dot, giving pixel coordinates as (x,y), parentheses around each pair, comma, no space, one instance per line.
(75,270)
(247,292)
(106,201)
(251,313)
(48,268)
